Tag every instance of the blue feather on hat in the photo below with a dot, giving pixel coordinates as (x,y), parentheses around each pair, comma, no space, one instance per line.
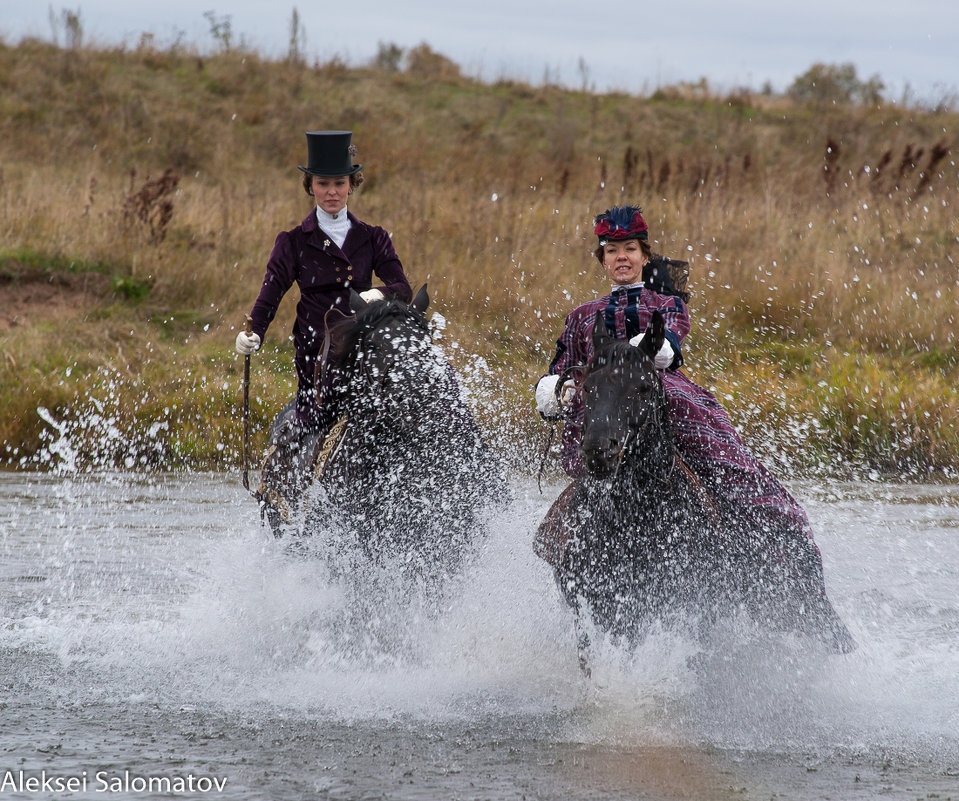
(621,216)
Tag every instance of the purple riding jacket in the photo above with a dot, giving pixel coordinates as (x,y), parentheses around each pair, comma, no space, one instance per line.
(324,274)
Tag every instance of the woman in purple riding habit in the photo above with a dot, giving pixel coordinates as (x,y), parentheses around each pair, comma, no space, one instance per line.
(328,254)
(739,485)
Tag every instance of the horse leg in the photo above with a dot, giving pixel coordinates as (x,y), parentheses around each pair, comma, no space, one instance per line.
(569,588)
(582,645)
(582,638)
(285,471)
(796,599)
(821,619)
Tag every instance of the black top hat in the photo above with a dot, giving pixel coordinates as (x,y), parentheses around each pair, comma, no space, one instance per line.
(329,154)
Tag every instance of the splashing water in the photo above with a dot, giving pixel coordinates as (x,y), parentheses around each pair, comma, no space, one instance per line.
(129,600)
(60,451)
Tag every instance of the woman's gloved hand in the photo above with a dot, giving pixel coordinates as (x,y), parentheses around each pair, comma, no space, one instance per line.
(547,403)
(247,343)
(665,356)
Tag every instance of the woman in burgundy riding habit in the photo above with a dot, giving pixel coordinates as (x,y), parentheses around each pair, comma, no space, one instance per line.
(326,255)
(739,485)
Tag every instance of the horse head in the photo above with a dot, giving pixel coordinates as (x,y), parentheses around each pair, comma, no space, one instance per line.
(625,404)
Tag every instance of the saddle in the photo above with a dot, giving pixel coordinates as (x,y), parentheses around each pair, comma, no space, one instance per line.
(294,461)
(555,532)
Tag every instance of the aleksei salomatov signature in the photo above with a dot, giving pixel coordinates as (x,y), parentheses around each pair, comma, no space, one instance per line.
(105,781)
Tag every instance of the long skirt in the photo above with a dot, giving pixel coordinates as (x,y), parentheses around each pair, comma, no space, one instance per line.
(742,487)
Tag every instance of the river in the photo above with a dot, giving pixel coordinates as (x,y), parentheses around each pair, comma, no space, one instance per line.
(156,643)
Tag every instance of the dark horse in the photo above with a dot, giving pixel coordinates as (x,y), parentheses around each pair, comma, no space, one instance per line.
(647,544)
(404,474)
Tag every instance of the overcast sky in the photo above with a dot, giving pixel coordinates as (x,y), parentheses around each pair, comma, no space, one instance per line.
(635,46)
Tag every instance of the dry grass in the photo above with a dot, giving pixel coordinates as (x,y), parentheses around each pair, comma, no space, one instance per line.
(830,231)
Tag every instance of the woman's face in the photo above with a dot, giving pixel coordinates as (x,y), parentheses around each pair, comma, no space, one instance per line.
(331,194)
(624,261)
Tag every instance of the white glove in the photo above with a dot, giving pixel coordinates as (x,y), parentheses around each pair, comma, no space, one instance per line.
(247,343)
(372,295)
(546,403)
(665,356)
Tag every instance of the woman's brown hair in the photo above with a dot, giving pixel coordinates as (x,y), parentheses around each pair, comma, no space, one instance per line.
(355,180)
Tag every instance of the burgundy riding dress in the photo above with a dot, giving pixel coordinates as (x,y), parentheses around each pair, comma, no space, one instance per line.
(742,487)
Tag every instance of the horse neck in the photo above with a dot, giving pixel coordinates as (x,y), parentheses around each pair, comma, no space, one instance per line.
(652,453)
(424,408)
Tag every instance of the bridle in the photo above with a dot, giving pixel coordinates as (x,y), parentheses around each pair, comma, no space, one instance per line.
(415,319)
(633,434)
(675,462)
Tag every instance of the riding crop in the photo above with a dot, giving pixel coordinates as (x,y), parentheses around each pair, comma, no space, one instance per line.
(246,410)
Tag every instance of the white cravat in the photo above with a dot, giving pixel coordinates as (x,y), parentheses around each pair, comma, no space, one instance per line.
(335,227)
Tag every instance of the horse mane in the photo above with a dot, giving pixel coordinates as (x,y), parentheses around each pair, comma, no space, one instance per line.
(346,334)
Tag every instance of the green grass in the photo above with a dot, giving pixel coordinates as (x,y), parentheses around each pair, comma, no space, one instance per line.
(22,263)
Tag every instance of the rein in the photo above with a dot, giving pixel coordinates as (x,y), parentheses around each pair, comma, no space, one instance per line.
(542,464)
(677,461)
(364,368)
(630,437)
(557,392)
(705,498)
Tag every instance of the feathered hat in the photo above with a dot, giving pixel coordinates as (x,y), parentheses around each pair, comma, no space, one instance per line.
(621,222)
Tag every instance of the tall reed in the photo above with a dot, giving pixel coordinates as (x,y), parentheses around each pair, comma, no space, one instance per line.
(828,232)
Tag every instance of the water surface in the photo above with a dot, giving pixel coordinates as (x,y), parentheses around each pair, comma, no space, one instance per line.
(150,628)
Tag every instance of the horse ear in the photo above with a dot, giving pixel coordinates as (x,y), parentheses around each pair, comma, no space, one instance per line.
(600,335)
(655,335)
(356,302)
(421,301)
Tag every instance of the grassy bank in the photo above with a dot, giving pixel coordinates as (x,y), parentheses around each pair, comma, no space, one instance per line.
(141,191)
